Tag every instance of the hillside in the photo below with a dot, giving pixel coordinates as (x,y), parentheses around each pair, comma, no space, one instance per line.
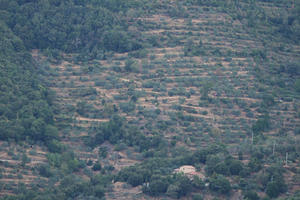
(105,99)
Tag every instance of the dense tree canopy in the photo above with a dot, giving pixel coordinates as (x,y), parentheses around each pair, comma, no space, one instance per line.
(25,104)
(86,27)
(71,26)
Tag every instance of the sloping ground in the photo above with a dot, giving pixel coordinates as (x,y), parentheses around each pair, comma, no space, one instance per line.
(190,98)
(19,165)
(172,84)
(215,95)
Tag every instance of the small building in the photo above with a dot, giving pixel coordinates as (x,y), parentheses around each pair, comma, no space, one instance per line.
(186,169)
(189,171)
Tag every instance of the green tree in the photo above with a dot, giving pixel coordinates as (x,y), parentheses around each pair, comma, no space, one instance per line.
(220,184)
(97,166)
(211,164)
(221,168)
(156,187)
(261,125)
(200,156)
(51,132)
(135,179)
(297,85)
(255,165)
(235,167)
(45,170)
(251,195)
(38,129)
(99,191)
(181,186)
(198,182)
(273,189)
(197,197)
(25,159)
(130,65)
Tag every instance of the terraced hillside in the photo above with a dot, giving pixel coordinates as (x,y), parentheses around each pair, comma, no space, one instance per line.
(210,76)
(216,94)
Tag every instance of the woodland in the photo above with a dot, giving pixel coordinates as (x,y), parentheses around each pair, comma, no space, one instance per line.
(104,99)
